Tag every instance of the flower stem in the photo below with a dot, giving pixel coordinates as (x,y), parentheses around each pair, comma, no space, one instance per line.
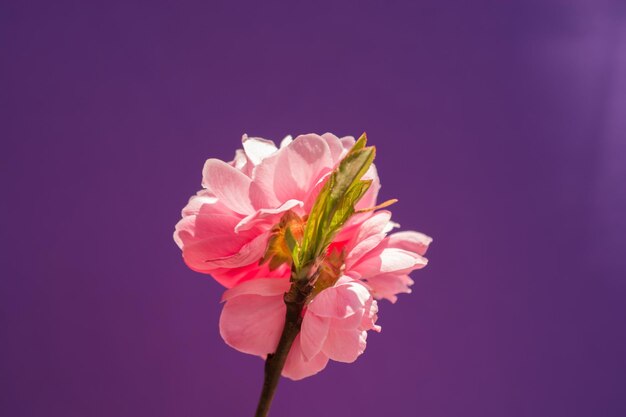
(295,300)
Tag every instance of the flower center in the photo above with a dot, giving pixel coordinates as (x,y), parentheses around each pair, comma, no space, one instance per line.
(283,235)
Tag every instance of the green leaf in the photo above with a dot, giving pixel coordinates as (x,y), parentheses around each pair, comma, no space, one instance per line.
(335,202)
(346,205)
(292,244)
(360,143)
(351,169)
(290,239)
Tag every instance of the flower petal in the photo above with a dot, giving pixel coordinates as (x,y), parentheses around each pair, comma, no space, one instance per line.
(367,237)
(389,285)
(261,286)
(347,142)
(240,161)
(345,299)
(204,201)
(286,141)
(262,215)
(313,334)
(411,241)
(250,252)
(231,277)
(344,345)
(228,184)
(298,367)
(203,237)
(337,151)
(257,149)
(292,172)
(385,260)
(253,323)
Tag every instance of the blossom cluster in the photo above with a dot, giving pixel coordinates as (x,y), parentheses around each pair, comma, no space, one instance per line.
(237,227)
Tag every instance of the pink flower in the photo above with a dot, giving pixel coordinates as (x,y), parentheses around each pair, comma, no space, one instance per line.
(242,217)
(334,325)
(225,227)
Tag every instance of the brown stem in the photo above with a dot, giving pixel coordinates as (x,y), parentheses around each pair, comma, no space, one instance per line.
(295,300)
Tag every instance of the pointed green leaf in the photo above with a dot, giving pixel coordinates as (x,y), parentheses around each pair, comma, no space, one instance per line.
(346,206)
(351,169)
(360,143)
(335,202)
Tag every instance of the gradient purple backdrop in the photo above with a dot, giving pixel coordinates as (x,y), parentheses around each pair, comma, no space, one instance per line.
(500,127)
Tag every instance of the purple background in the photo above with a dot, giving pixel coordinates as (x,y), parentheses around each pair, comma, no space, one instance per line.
(500,127)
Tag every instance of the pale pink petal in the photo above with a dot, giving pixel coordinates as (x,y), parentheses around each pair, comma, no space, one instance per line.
(201,225)
(257,149)
(388,285)
(231,277)
(370,317)
(351,322)
(367,237)
(205,202)
(260,199)
(261,286)
(344,345)
(307,159)
(286,141)
(410,241)
(363,306)
(292,172)
(253,323)
(324,304)
(350,228)
(204,237)
(346,338)
(250,252)
(390,226)
(337,150)
(203,199)
(298,366)
(264,215)
(347,142)
(228,184)
(241,162)
(197,254)
(343,300)
(385,260)
(313,334)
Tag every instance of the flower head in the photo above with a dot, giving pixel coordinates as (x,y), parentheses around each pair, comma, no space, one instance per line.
(294,230)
